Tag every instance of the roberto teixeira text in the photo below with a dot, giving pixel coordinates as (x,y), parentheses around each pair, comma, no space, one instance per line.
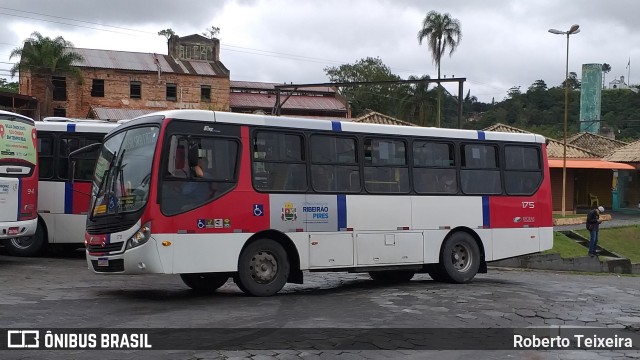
(576,340)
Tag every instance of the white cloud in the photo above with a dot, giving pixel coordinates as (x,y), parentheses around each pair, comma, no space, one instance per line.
(505,42)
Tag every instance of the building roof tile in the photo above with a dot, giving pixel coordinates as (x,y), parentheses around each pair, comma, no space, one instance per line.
(595,143)
(629,153)
(147,62)
(555,148)
(373,117)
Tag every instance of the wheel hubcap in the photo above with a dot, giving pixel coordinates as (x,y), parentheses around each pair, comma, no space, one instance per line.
(22,242)
(460,257)
(264,267)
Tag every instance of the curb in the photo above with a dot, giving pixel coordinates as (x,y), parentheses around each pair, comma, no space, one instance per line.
(583,263)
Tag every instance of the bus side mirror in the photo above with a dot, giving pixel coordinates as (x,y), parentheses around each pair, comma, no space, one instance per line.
(75,154)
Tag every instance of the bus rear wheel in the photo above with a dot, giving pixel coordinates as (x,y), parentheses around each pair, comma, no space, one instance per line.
(459,260)
(28,245)
(205,283)
(263,268)
(392,276)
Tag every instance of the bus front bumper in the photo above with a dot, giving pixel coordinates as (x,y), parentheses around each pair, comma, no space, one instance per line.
(143,259)
(16,229)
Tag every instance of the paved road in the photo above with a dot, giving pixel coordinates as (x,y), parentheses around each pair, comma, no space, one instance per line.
(60,292)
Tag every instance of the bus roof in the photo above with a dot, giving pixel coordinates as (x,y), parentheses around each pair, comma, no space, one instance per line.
(2,112)
(339,125)
(76,127)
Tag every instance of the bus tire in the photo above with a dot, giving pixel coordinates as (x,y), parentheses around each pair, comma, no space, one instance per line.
(460,258)
(205,283)
(28,245)
(392,276)
(263,268)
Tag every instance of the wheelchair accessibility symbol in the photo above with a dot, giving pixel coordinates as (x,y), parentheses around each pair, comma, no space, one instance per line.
(201,224)
(258,210)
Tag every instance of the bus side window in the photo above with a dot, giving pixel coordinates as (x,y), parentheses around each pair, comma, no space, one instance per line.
(45,157)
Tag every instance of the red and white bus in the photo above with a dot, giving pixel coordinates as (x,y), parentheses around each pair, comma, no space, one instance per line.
(18,178)
(62,206)
(212,195)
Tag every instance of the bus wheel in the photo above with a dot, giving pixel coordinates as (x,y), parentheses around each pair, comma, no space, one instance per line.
(205,282)
(393,276)
(27,245)
(263,268)
(460,259)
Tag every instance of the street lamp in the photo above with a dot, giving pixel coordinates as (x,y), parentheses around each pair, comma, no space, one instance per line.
(573,30)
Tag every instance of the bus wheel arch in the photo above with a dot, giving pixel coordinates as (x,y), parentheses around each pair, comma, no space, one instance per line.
(461,257)
(31,245)
(274,251)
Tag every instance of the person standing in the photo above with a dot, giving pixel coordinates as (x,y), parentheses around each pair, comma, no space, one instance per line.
(593,225)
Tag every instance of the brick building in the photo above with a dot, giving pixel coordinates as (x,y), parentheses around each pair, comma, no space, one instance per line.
(260,97)
(191,76)
(122,85)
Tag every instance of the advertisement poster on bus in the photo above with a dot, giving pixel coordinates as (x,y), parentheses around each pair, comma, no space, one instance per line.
(17,141)
(303,212)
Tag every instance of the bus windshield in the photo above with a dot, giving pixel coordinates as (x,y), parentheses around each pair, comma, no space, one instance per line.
(17,141)
(123,172)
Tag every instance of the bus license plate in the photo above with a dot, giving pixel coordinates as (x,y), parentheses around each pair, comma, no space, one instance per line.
(103,262)
(13,231)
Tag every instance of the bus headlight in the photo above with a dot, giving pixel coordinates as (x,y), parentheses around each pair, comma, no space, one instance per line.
(140,237)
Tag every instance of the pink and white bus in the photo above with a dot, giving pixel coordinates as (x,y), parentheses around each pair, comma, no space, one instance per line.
(18,178)
(212,195)
(62,205)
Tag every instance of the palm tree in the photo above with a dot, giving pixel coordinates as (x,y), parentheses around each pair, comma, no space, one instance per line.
(416,104)
(45,57)
(442,32)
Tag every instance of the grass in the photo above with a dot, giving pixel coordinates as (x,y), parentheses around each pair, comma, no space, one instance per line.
(624,241)
(567,248)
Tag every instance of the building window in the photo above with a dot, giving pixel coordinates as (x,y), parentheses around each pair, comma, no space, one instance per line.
(205,93)
(59,88)
(135,90)
(172,92)
(97,88)
(61,112)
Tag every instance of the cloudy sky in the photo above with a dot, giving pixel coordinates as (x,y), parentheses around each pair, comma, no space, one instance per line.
(505,43)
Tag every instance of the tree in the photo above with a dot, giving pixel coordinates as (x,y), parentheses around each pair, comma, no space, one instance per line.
(11,87)
(605,70)
(416,102)
(45,57)
(381,98)
(442,32)
(574,83)
(168,33)
(211,32)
